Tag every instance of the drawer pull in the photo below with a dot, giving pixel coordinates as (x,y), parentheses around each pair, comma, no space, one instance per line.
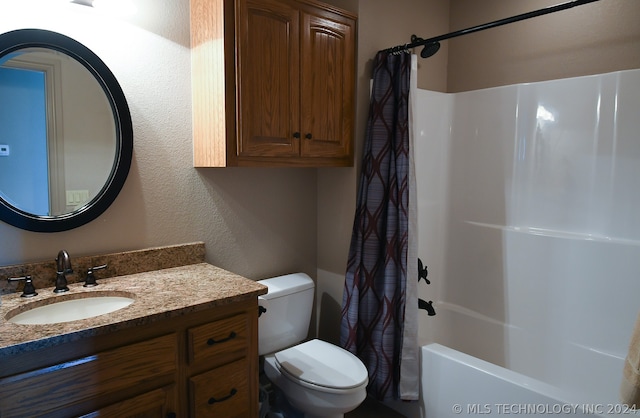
(231,336)
(213,400)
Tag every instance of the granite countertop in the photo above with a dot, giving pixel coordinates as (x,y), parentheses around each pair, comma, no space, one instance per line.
(158,295)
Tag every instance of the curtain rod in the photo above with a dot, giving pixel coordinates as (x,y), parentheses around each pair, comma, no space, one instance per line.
(432,45)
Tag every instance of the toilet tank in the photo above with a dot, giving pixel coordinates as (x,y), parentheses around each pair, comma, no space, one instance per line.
(288,305)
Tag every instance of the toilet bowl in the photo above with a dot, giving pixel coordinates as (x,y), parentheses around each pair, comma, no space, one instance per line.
(316,377)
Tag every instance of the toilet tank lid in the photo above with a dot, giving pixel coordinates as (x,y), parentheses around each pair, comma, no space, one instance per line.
(287,284)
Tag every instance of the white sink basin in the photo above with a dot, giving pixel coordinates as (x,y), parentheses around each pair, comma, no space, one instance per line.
(70,310)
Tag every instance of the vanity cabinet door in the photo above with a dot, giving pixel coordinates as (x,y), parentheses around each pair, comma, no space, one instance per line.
(87,383)
(155,404)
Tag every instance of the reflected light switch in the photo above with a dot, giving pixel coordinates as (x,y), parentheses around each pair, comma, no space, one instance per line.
(77,197)
(4,150)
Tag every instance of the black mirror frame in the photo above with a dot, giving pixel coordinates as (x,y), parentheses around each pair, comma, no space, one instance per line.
(39,38)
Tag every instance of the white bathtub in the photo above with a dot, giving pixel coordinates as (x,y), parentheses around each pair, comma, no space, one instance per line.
(455,384)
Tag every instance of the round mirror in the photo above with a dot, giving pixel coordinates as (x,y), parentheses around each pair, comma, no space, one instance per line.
(66,138)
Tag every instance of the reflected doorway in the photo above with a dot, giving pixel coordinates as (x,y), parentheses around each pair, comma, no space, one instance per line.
(30,171)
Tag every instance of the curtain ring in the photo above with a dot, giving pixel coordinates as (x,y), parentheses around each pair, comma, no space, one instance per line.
(400,49)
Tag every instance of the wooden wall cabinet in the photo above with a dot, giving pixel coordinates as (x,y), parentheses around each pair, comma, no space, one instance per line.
(202,364)
(273,83)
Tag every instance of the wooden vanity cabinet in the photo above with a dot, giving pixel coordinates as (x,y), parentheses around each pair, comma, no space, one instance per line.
(280,89)
(197,365)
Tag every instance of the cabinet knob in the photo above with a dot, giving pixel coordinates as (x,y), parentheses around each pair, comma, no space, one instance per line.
(308,136)
(296,135)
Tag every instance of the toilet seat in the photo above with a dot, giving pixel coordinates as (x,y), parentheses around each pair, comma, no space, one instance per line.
(322,366)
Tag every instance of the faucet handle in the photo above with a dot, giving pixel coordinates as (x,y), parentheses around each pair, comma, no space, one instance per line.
(29,289)
(90,281)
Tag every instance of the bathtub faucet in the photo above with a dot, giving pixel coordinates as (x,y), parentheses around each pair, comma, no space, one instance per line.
(63,267)
(427,306)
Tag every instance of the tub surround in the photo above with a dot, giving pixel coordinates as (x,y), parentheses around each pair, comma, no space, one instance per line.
(43,273)
(532,190)
(158,295)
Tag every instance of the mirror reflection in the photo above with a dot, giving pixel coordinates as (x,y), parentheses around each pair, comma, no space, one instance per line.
(58,139)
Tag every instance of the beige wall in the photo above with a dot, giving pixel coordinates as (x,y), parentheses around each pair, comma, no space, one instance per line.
(255,222)
(589,39)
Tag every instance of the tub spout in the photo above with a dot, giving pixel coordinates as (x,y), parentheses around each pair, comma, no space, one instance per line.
(427,306)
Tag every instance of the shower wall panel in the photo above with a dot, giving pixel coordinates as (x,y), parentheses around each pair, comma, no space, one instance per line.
(532,227)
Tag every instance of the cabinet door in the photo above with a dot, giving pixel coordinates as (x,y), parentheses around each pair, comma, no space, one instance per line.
(88,381)
(328,77)
(268,75)
(155,404)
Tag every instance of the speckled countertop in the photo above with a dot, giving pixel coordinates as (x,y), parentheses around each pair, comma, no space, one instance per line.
(158,295)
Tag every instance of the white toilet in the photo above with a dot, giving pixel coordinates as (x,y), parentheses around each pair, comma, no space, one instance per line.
(317,378)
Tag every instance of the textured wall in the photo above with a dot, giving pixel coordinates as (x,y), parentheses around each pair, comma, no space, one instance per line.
(255,222)
(590,39)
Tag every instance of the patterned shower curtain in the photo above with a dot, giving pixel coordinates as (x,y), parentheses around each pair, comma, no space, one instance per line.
(376,302)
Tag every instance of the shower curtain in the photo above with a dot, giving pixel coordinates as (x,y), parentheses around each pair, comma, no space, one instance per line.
(380,302)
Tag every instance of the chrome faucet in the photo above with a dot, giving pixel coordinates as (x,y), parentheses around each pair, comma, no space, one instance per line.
(63,266)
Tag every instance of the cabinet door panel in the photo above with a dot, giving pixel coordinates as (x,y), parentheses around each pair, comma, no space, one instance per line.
(327,86)
(268,77)
(154,404)
(108,372)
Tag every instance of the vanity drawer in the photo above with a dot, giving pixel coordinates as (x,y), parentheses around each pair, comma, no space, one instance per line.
(218,341)
(221,392)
